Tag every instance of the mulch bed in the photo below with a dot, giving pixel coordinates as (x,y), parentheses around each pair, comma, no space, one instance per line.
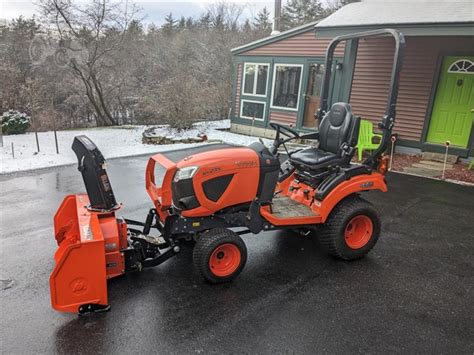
(458,173)
(401,161)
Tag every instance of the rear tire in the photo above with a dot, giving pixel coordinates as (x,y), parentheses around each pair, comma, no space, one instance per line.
(219,255)
(352,229)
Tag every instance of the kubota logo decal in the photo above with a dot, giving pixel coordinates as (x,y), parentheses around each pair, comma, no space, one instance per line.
(211,171)
(79,286)
(366,185)
(246,164)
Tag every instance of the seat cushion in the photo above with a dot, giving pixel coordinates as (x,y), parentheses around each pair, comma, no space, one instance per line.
(314,157)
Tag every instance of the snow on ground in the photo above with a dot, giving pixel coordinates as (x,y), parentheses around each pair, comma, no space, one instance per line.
(114,142)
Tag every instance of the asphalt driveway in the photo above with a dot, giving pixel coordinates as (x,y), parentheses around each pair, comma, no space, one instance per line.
(413,293)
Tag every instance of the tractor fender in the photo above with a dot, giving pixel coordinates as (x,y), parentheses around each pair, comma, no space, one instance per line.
(374,181)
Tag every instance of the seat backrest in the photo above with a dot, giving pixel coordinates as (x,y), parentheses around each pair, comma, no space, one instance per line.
(338,126)
(366,132)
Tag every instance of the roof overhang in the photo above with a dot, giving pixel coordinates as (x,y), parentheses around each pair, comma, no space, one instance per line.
(412,29)
(275,38)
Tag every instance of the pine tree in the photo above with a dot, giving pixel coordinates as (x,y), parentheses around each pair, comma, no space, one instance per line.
(135,28)
(218,22)
(182,23)
(170,24)
(190,23)
(152,29)
(247,27)
(262,21)
(205,20)
(300,12)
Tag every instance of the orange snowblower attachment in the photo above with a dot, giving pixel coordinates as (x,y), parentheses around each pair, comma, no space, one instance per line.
(89,253)
(94,245)
(91,240)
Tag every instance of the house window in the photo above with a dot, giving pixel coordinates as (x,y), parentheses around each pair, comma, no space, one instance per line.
(462,66)
(286,86)
(252,109)
(255,79)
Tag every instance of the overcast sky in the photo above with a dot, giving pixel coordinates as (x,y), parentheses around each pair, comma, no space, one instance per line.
(152,10)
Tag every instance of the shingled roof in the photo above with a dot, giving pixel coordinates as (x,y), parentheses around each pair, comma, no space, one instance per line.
(401,12)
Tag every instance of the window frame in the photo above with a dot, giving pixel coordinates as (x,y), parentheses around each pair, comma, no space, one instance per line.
(253,101)
(299,87)
(255,79)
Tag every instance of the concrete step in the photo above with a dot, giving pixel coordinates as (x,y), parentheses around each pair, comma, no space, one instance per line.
(425,165)
(435,163)
(423,172)
(452,159)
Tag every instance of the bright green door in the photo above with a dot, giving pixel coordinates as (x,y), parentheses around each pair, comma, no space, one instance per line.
(453,107)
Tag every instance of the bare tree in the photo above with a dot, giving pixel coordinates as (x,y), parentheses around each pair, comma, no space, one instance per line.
(90,35)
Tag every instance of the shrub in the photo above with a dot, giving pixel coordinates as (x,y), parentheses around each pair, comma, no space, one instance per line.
(14,122)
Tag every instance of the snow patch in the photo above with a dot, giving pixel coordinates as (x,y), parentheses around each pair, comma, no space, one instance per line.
(114,142)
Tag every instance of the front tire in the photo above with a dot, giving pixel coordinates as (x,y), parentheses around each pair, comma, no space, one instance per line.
(352,229)
(219,255)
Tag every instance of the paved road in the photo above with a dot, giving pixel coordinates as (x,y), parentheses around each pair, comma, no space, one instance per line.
(413,293)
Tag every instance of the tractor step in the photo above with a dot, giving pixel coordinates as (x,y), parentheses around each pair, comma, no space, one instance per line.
(285,207)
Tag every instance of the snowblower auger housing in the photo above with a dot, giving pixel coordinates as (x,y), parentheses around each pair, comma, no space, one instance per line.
(212,194)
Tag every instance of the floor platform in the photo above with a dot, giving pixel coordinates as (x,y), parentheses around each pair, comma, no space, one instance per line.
(285,207)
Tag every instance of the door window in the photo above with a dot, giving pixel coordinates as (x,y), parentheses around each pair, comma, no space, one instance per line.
(286,86)
(317,75)
(313,93)
(462,66)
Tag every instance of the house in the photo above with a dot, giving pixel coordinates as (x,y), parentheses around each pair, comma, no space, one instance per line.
(278,78)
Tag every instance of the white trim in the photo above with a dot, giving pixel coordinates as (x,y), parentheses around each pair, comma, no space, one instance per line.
(255,79)
(251,118)
(299,88)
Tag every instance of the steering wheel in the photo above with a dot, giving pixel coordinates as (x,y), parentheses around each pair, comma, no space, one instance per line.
(285,130)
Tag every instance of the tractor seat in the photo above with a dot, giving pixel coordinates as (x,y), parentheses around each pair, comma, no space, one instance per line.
(338,133)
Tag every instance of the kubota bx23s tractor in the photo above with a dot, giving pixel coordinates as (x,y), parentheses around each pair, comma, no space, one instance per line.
(212,196)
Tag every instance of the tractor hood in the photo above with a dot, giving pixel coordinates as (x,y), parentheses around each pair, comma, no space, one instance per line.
(218,161)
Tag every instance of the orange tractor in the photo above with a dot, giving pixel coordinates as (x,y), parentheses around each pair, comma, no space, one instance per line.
(212,196)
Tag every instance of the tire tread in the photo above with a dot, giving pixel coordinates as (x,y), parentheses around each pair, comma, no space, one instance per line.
(207,242)
(329,232)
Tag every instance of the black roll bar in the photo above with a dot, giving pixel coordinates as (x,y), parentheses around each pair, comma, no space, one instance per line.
(389,117)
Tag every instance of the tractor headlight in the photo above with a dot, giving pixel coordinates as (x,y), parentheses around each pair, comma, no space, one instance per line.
(185,173)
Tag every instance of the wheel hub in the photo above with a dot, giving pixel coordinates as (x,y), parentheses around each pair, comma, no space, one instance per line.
(358,231)
(224,260)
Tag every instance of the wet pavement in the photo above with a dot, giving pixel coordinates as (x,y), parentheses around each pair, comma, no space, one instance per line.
(413,293)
